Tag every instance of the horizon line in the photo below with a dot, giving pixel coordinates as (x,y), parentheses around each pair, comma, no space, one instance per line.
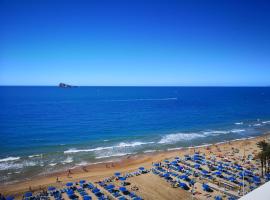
(138,85)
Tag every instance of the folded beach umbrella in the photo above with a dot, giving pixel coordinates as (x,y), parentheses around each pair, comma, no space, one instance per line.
(28,194)
(123,189)
(51,188)
(69,184)
(82,181)
(117,173)
(87,197)
(166,161)
(177,158)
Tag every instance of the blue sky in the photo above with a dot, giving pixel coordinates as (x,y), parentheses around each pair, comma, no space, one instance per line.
(173,42)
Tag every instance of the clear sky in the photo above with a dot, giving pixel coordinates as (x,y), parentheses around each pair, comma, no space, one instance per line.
(170,42)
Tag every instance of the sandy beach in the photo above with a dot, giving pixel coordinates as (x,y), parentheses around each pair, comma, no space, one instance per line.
(149,185)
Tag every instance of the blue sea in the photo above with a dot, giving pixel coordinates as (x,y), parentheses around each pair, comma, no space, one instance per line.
(46,129)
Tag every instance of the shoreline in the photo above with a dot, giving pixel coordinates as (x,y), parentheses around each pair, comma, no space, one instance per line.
(98,171)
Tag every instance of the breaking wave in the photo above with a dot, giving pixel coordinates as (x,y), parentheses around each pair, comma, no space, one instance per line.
(174,138)
(120,145)
(9,159)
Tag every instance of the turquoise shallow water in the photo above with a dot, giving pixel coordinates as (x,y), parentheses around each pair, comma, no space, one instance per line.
(44,129)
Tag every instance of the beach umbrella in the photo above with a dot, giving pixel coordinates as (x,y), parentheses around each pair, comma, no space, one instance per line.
(166,161)
(232,179)
(177,158)
(70,192)
(156,164)
(69,184)
(28,194)
(218,173)
(231,198)
(122,178)
(87,197)
(51,188)
(117,173)
(196,166)
(174,163)
(137,198)
(121,198)
(82,181)
(204,172)
(179,168)
(183,177)
(123,189)
(109,187)
(95,190)
(141,168)
(10,198)
(182,184)
(218,198)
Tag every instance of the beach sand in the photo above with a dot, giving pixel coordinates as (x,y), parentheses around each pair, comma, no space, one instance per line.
(150,186)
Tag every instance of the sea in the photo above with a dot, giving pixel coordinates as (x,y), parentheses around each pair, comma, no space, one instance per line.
(44,129)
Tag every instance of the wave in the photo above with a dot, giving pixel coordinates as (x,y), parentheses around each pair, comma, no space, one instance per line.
(239,123)
(237,130)
(176,148)
(35,155)
(8,166)
(173,138)
(133,144)
(9,159)
(150,151)
(266,122)
(256,125)
(155,99)
(67,160)
(120,145)
(114,155)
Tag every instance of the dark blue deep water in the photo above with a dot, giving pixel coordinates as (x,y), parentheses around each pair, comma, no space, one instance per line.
(60,128)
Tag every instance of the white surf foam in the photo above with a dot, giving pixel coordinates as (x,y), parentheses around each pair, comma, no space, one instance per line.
(176,148)
(67,160)
(266,122)
(9,159)
(237,130)
(36,155)
(114,155)
(239,123)
(53,164)
(173,138)
(120,145)
(257,125)
(150,151)
(132,144)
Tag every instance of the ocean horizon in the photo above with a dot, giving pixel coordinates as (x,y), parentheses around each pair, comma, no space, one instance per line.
(45,128)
